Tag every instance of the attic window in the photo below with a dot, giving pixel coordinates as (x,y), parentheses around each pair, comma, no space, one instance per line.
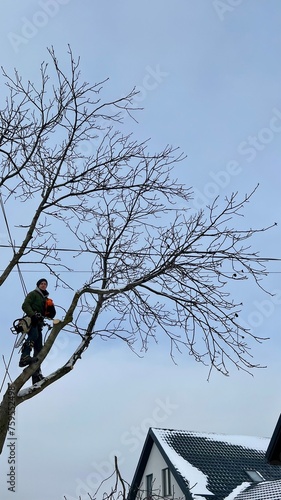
(255,476)
(166,482)
(149,485)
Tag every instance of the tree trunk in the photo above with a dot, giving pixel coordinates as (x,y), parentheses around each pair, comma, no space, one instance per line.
(7,415)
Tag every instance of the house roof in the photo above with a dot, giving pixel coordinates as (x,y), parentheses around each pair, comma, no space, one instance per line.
(212,465)
(266,490)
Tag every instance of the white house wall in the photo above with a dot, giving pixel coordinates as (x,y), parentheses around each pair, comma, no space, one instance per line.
(154,466)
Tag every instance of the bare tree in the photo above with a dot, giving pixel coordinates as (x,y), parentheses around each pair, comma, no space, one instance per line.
(156,266)
(120,489)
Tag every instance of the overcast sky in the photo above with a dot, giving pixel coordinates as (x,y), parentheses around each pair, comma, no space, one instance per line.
(208,73)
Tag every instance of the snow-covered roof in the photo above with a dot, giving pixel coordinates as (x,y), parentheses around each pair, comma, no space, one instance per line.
(213,463)
(214,466)
(270,490)
(250,442)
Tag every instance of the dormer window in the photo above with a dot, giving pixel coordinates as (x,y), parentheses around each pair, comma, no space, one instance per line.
(255,476)
(166,482)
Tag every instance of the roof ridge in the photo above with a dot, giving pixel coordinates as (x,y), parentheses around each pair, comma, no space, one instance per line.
(233,439)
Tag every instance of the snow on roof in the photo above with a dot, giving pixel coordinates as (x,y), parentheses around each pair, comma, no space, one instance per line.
(239,489)
(251,442)
(196,478)
(265,490)
(202,477)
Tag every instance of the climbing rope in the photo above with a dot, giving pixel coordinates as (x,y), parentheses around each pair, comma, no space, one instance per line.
(7,365)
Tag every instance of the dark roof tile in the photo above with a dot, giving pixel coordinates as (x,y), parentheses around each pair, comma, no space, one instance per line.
(224,460)
(267,490)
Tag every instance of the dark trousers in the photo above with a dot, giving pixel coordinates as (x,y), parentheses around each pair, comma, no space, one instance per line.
(34,341)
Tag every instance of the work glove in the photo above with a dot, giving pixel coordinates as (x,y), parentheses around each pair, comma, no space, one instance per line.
(36,318)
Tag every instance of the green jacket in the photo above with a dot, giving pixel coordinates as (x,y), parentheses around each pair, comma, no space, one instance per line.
(34,303)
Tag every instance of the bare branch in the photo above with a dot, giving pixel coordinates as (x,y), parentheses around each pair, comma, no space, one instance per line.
(155,267)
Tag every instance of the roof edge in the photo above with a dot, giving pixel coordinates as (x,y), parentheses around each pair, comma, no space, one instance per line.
(178,477)
(140,466)
(273,453)
(136,481)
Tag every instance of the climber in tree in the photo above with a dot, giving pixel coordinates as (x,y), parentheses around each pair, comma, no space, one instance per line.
(37,306)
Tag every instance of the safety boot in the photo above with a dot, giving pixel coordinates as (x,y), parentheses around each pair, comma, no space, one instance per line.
(25,358)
